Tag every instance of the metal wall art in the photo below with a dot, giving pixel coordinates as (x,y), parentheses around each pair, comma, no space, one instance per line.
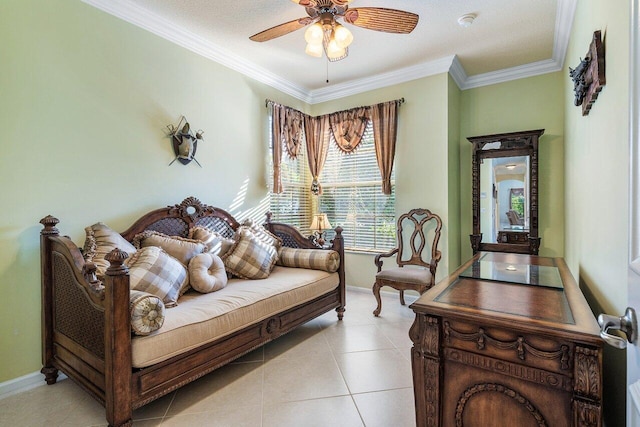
(588,77)
(184,141)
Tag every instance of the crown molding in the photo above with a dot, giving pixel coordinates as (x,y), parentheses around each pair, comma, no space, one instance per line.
(381,80)
(159,26)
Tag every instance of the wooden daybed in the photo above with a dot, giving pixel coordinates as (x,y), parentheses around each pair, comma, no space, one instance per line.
(86,327)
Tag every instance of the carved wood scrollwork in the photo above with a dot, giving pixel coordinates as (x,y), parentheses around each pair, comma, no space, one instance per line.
(425,334)
(496,388)
(587,373)
(271,327)
(191,207)
(519,344)
(586,414)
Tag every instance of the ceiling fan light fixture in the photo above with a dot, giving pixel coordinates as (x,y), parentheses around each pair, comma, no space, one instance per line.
(314,50)
(343,36)
(314,34)
(334,51)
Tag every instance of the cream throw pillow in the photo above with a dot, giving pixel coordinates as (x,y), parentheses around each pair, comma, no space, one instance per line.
(178,247)
(99,241)
(216,243)
(147,312)
(207,273)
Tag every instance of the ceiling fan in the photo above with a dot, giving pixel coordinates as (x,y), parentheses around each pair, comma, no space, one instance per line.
(325,33)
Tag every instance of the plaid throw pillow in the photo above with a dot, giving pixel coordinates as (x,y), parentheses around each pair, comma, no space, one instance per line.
(315,259)
(263,234)
(154,271)
(249,258)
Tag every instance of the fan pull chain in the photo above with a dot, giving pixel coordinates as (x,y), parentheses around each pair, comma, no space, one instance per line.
(327,70)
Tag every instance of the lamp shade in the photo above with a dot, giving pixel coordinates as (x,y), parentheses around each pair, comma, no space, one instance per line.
(320,222)
(314,34)
(314,50)
(342,36)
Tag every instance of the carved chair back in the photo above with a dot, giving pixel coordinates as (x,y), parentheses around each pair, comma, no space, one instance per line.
(412,231)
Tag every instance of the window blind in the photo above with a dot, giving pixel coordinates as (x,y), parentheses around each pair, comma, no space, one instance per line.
(352,197)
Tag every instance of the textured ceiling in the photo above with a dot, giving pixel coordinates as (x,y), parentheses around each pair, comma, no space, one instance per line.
(505,34)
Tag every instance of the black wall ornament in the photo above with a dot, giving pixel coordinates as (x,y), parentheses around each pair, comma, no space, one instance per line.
(184,141)
(589,77)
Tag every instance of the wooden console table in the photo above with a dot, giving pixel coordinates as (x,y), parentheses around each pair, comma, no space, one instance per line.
(505,340)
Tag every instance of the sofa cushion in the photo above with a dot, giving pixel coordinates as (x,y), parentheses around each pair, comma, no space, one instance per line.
(249,258)
(316,259)
(204,318)
(216,243)
(154,271)
(99,241)
(178,247)
(147,312)
(207,273)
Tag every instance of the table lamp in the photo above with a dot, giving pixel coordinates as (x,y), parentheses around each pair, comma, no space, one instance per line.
(319,223)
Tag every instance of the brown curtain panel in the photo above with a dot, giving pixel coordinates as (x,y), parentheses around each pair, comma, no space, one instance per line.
(316,130)
(384,119)
(348,127)
(292,132)
(277,119)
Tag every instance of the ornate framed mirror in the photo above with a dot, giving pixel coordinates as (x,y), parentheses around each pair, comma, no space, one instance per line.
(505,192)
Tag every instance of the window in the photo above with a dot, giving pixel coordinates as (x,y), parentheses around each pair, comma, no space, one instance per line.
(352,197)
(293,205)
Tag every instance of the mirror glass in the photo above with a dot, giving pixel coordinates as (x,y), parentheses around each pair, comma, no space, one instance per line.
(504,197)
(505,192)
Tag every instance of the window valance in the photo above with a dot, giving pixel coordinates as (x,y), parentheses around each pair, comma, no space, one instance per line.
(345,127)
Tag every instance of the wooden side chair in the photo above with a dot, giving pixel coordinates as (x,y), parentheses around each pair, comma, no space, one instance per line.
(420,277)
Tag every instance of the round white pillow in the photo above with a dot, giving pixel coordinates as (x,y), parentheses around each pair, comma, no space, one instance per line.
(207,273)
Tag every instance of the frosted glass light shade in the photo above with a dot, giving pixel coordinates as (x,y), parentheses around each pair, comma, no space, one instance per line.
(314,50)
(343,36)
(314,34)
(335,51)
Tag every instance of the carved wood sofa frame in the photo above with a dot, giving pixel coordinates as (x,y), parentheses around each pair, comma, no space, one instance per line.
(86,328)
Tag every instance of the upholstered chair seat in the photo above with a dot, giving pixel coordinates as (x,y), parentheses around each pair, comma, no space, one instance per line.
(418,276)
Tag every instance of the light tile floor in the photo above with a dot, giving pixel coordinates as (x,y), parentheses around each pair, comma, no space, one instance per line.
(325,373)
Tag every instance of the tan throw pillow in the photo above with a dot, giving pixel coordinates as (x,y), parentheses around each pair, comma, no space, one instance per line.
(216,243)
(154,271)
(99,241)
(315,259)
(263,234)
(147,312)
(207,273)
(178,247)
(249,258)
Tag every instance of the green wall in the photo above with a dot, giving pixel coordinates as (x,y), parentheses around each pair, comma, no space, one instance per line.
(85,100)
(421,163)
(597,181)
(525,104)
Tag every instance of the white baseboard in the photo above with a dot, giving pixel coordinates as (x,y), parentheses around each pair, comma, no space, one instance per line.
(24,383)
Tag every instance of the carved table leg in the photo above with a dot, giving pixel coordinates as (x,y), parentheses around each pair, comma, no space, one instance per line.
(427,370)
(376,293)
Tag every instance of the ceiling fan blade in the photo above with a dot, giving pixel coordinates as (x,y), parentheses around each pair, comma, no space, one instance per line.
(382,19)
(281,30)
